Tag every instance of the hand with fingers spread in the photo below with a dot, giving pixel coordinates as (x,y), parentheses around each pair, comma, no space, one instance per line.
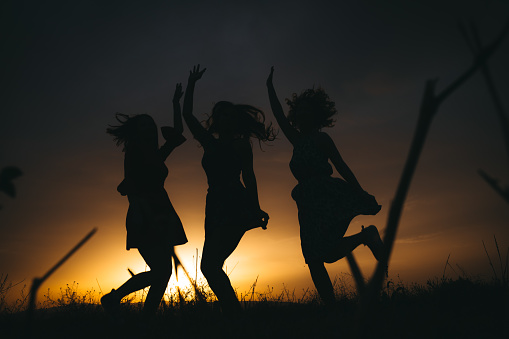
(196,74)
(178,92)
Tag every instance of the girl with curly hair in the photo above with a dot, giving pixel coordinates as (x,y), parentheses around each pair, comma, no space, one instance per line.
(326,205)
(232,206)
(153,226)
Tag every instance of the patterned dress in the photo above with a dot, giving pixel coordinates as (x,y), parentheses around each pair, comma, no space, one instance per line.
(326,205)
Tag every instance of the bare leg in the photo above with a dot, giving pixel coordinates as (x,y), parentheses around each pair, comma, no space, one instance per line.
(135,283)
(322,282)
(344,246)
(158,258)
(218,246)
(368,236)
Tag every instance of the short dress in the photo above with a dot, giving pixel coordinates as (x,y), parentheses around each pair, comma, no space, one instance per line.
(227,208)
(326,205)
(151,219)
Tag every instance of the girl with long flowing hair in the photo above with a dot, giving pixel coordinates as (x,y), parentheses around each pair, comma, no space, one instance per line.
(153,226)
(232,206)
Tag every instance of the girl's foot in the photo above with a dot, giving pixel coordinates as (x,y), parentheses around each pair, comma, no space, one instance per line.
(374,242)
(111,304)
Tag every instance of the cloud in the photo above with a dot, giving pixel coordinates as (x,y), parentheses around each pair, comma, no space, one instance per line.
(419,238)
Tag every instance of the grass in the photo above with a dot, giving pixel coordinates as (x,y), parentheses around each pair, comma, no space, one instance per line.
(442,308)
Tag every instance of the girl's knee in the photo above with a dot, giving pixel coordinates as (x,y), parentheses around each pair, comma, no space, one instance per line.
(163,271)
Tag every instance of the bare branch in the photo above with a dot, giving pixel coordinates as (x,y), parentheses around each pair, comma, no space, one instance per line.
(428,109)
(504,193)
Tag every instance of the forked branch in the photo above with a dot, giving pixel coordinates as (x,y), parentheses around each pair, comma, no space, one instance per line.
(429,106)
(475,44)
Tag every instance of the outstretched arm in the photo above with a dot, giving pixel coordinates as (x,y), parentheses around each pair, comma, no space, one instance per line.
(199,132)
(291,133)
(177,112)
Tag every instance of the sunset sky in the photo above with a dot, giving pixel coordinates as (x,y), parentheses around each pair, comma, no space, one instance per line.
(68,67)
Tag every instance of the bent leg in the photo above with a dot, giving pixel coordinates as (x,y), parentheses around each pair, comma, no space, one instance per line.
(369,236)
(344,246)
(218,247)
(135,283)
(140,280)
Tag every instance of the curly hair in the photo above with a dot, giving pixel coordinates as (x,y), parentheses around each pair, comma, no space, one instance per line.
(249,121)
(126,132)
(313,102)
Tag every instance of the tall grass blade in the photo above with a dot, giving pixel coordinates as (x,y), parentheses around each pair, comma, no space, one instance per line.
(445,267)
(499,258)
(356,272)
(489,259)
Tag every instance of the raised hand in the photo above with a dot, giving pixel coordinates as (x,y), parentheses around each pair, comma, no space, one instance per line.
(196,74)
(269,79)
(178,93)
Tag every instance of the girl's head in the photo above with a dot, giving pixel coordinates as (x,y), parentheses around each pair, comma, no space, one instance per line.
(231,120)
(139,130)
(311,110)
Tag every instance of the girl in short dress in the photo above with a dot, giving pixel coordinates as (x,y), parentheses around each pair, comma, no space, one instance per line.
(326,205)
(232,206)
(153,226)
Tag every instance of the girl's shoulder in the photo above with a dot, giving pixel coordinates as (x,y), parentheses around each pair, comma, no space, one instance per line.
(319,138)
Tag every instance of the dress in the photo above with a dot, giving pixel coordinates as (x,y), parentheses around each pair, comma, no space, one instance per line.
(151,218)
(326,205)
(227,205)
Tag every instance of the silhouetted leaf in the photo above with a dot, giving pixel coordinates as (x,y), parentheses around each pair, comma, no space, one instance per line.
(6,176)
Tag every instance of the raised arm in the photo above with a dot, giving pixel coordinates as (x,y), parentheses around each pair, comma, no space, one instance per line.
(199,132)
(177,112)
(288,130)
(249,179)
(173,135)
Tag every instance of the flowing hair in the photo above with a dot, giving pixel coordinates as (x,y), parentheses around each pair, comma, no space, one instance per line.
(126,132)
(250,121)
(314,102)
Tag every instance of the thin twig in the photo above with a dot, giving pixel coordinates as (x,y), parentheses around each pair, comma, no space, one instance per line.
(494,184)
(489,259)
(501,113)
(37,282)
(475,45)
(446,262)
(429,107)
(499,258)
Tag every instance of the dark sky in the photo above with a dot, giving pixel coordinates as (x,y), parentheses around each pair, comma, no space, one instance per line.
(67,67)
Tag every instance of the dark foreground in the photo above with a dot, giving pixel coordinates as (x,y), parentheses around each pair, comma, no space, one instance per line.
(446,309)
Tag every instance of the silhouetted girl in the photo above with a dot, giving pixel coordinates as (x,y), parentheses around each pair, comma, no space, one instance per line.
(153,226)
(231,207)
(326,205)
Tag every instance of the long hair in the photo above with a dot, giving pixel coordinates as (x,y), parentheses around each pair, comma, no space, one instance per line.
(127,132)
(313,102)
(248,121)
